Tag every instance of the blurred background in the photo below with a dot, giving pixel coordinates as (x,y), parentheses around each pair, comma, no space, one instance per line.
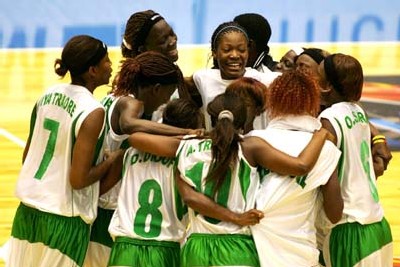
(33,32)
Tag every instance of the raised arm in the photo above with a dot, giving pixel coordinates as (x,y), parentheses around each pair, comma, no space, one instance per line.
(165,146)
(265,155)
(208,207)
(129,110)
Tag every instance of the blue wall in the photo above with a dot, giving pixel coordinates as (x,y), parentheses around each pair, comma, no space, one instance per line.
(49,23)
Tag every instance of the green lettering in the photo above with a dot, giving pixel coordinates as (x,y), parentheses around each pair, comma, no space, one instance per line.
(47,99)
(190,151)
(134,158)
(361,117)
(348,121)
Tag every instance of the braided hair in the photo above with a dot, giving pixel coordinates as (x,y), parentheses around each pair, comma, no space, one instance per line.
(146,69)
(133,38)
(295,92)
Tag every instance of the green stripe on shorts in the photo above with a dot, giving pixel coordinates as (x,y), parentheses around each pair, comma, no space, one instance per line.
(136,252)
(219,250)
(349,243)
(69,235)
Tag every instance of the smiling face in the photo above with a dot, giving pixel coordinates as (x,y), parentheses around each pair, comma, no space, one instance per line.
(232,54)
(163,39)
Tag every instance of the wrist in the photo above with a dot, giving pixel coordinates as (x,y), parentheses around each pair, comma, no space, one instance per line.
(377,139)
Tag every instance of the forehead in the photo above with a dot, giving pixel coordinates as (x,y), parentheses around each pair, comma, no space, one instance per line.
(290,55)
(307,60)
(160,28)
(232,37)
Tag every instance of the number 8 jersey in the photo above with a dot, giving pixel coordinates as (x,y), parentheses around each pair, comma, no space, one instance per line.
(149,206)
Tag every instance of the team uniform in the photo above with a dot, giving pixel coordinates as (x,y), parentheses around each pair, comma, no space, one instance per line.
(362,237)
(212,242)
(147,224)
(210,84)
(52,224)
(286,236)
(100,240)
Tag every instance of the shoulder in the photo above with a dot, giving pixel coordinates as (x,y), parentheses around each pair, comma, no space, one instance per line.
(206,73)
(265,77)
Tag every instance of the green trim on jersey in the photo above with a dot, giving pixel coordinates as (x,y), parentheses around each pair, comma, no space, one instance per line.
(73,137)
(32,122)
(349,243)
(99,146)
(180,207)
(69,235)
(342,157)
(244,178)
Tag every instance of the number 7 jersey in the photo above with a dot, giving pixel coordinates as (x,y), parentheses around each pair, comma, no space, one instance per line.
(149,206)
(44,179)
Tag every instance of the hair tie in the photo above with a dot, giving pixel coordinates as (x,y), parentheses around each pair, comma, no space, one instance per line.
(316,56)
(225,29)
(128,46)
(331,74)
(225,114)
(144,31)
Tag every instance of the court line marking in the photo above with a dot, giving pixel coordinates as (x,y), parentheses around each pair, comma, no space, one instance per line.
(12,137)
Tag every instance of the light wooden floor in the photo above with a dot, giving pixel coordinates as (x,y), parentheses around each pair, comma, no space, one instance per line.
(24,74)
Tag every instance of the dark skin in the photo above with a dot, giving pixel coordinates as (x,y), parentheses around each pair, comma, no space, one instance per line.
(163,39)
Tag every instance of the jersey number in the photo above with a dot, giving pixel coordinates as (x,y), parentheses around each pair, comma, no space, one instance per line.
(365,154)
(52,126)
(148,217)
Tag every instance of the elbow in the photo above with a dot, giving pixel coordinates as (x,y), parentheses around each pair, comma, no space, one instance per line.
(303,169)
(77,183)
(128,128)
(188,199)
(335,215)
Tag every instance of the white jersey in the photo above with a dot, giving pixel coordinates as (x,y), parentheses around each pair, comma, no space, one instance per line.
(149,206)
(286,236)
(356,171)
(237,193)
(112,142)
(210,84)
(44,179)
